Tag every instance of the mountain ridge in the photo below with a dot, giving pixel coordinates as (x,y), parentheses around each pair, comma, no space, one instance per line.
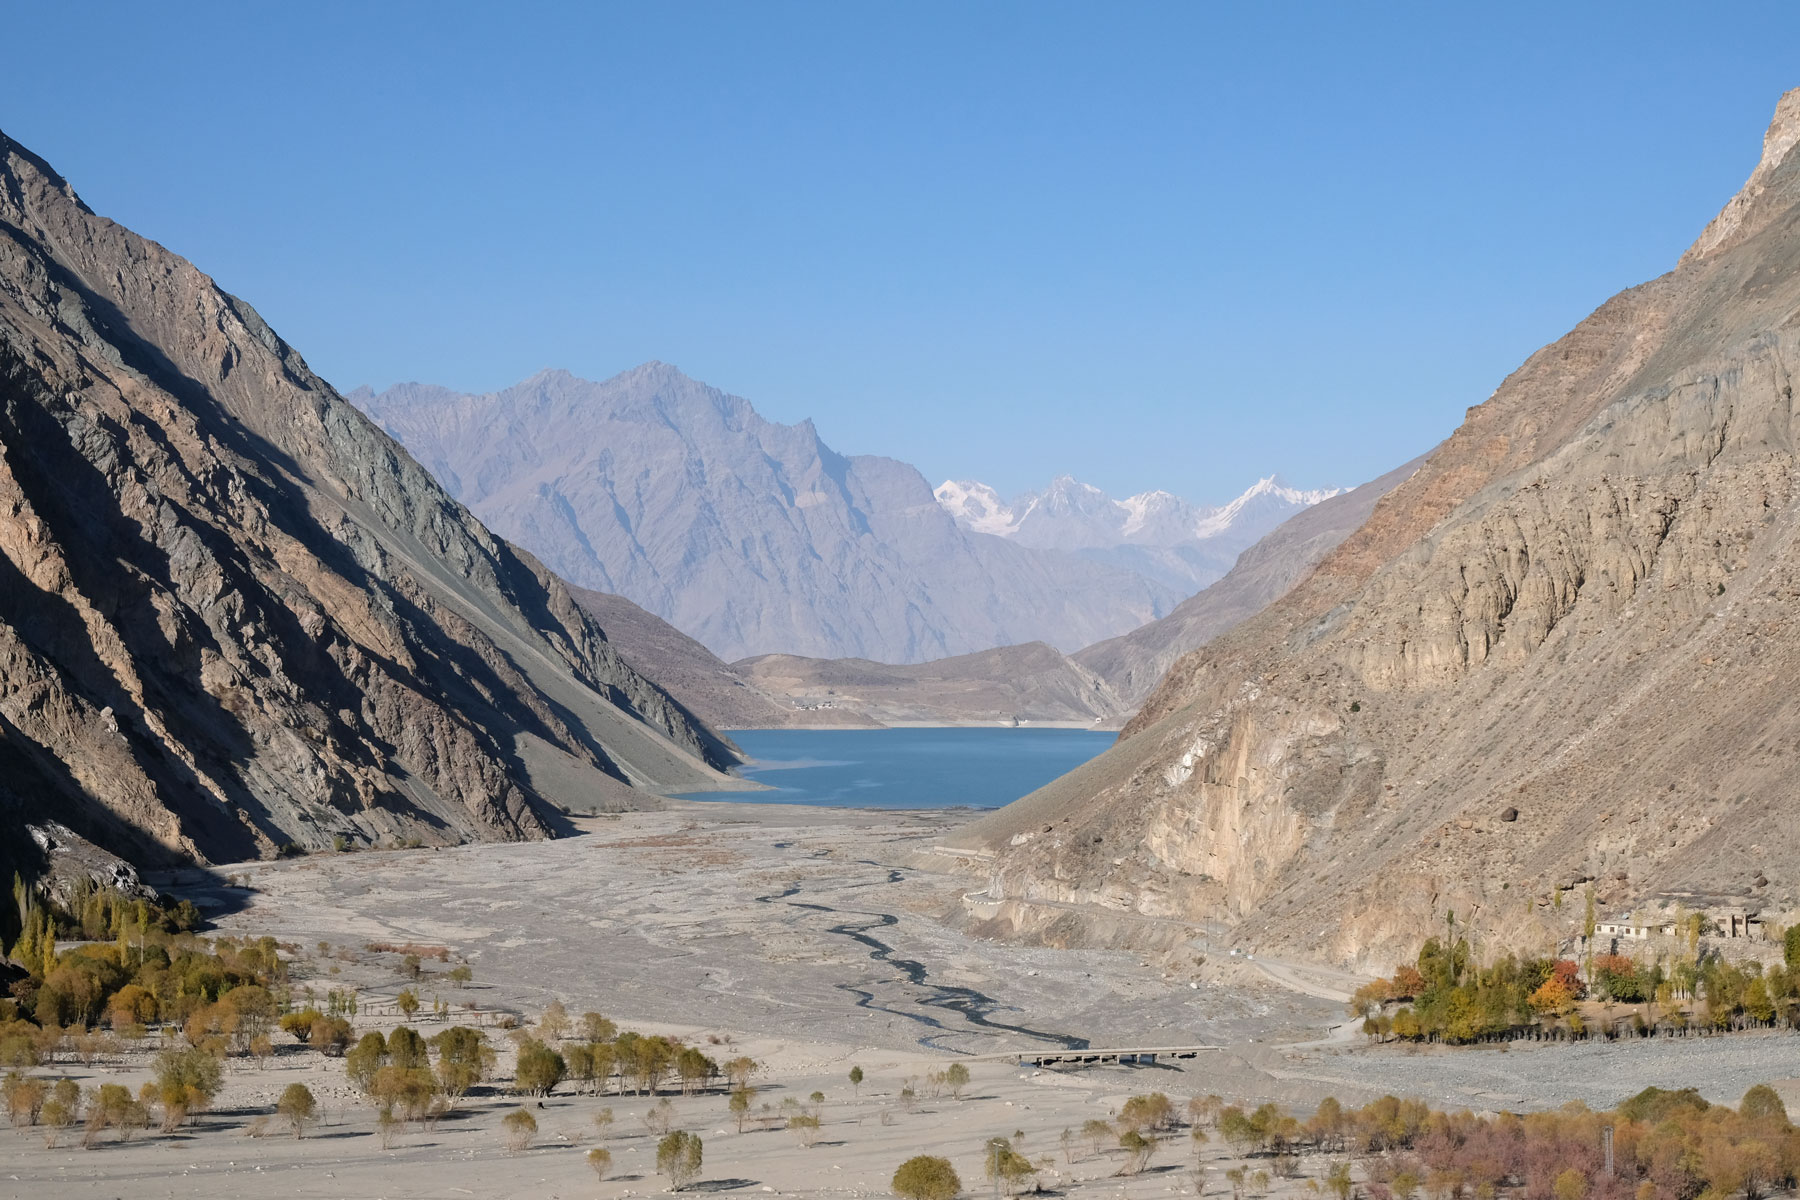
(1548,658)
(237,616)
(1134,663)
(749,535)
(1157,534)
(978,506)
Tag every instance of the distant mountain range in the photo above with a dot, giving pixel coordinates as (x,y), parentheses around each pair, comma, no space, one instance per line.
(1155,534)
(755,537)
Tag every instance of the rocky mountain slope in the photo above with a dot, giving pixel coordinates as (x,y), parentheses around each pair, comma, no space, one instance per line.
(1133,664)
(1156,534)
(713,690)
(1032,683)
(1559,652)
(751,536)
(235,615)
(1101,685)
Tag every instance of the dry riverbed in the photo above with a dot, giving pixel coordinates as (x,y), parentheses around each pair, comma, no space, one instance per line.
(808,940)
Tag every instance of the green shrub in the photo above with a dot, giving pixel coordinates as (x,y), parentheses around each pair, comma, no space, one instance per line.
(926,1177)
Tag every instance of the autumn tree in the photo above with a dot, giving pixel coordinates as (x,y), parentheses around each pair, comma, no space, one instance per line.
(739,1105)
(329,1035)
(403,1093)
(1236,1127)
(1204,1110)
(1138,1150)
(186,1082)
(659,1118)
(299,1024)
(24,1097)
(61,1109)
(679,1156)
(407,1050)
(1004,1166)
(111,1106)
(805,1128)
(926,1177)
(1097,1134)
(298,1106)
(554,1024)
(367,1057)
(539,1068)
(1154,1111)
(520,1128)
(464,1060)
(694,1068)
(1761,1103)
(645,1059)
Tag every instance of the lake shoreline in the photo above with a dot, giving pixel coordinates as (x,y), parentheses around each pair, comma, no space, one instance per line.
(978,767)
(1100,727)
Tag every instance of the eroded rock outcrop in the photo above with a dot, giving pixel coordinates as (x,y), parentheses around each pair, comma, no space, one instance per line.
(235,615)
(1559,651)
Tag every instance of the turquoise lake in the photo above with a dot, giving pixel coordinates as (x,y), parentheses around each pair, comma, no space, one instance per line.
(906,768)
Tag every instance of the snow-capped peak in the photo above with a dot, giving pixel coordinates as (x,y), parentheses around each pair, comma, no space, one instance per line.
(1071,515)
(976,506)
(1269,493)
(1156,533)
(1146,506)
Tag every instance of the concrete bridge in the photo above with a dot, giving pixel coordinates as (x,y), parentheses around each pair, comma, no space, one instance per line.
(1100,1058)
(1092,1057)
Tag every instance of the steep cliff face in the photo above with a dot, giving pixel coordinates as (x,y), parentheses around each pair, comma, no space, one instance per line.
(1134,663)
(1557,653)
(235,615)
(715,691)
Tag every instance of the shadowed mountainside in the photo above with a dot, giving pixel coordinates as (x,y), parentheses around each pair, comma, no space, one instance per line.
(235,615)
(707,686)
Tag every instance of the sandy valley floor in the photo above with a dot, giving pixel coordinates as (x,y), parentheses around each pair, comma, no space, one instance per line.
(804,938)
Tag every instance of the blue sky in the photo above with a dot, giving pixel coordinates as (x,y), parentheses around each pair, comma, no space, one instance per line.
(1151,245)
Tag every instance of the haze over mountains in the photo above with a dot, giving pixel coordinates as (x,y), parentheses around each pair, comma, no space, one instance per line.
(1560,651)
(235,616)
(1156,534)
(755,537)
